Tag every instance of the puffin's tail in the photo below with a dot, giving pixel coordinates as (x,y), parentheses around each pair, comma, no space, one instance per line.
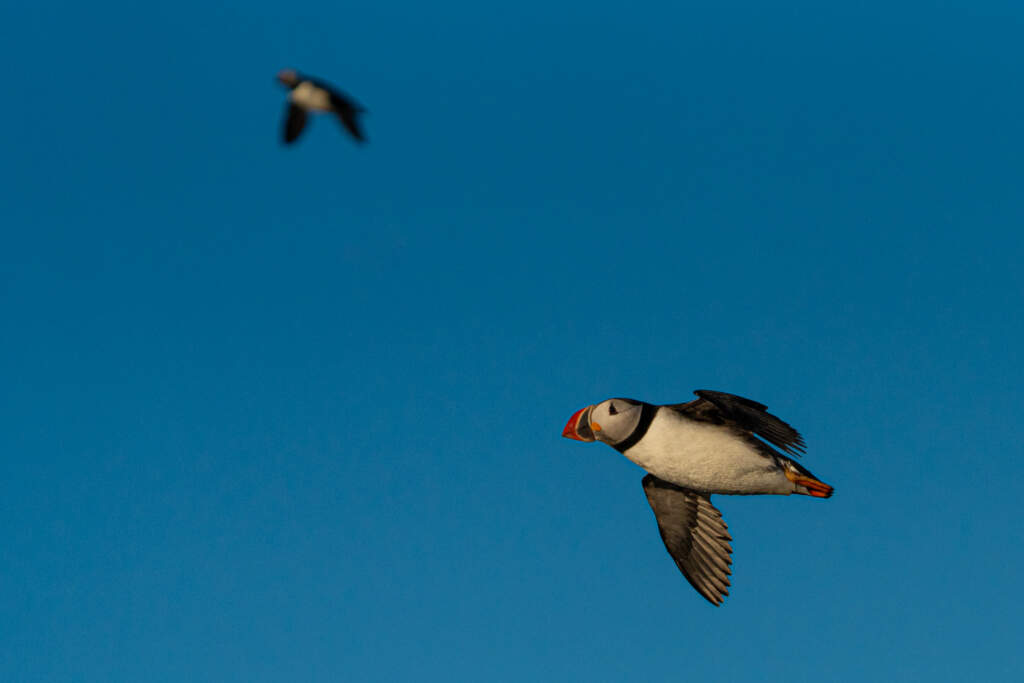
(806,483)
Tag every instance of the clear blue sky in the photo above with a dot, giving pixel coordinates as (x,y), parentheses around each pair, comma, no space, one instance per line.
(294,414)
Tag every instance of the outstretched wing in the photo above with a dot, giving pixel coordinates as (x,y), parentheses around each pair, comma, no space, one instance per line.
(351,123)
(695,535)
(721,408)
(347,109)
(294,122)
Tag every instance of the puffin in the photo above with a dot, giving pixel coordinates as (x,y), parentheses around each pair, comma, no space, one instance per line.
(311,95)
(717,444)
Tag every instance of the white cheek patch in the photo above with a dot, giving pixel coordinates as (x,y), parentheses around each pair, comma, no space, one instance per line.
(617,427)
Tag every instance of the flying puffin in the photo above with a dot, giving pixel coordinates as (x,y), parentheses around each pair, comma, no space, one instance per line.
(690,451)
(308,94)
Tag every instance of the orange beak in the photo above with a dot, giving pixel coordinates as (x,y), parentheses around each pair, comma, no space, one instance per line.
(578,426)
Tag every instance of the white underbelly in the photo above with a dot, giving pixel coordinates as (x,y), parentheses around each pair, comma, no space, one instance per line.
(309,97)
(705,458)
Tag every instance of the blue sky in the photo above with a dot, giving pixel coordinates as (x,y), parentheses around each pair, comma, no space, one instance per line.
(295,414)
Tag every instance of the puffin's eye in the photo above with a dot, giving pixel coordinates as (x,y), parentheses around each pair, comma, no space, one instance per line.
(611,409)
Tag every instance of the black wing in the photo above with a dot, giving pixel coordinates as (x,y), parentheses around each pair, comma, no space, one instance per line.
(695,535)
(294,122)
(348,119)
(345,107)
(721,408)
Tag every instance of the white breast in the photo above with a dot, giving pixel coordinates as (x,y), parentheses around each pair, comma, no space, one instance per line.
(705,457)
(308,96)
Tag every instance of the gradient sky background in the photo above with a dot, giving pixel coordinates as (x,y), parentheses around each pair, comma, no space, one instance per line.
(294,414)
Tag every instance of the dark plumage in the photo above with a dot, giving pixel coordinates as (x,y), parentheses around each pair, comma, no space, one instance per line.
(717,444)
(719,407)
(695,535)
(312,95)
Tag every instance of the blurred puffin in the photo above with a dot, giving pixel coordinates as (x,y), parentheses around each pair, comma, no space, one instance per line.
(308,94)
(690,451)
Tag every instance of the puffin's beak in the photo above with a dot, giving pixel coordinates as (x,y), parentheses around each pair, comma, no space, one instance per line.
(578,426)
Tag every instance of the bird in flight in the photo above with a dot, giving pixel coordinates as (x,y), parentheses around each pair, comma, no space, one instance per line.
(719,443)
(311,95)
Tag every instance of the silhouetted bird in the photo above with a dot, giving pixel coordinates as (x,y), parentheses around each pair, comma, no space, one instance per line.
(719,443)
(308,94)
